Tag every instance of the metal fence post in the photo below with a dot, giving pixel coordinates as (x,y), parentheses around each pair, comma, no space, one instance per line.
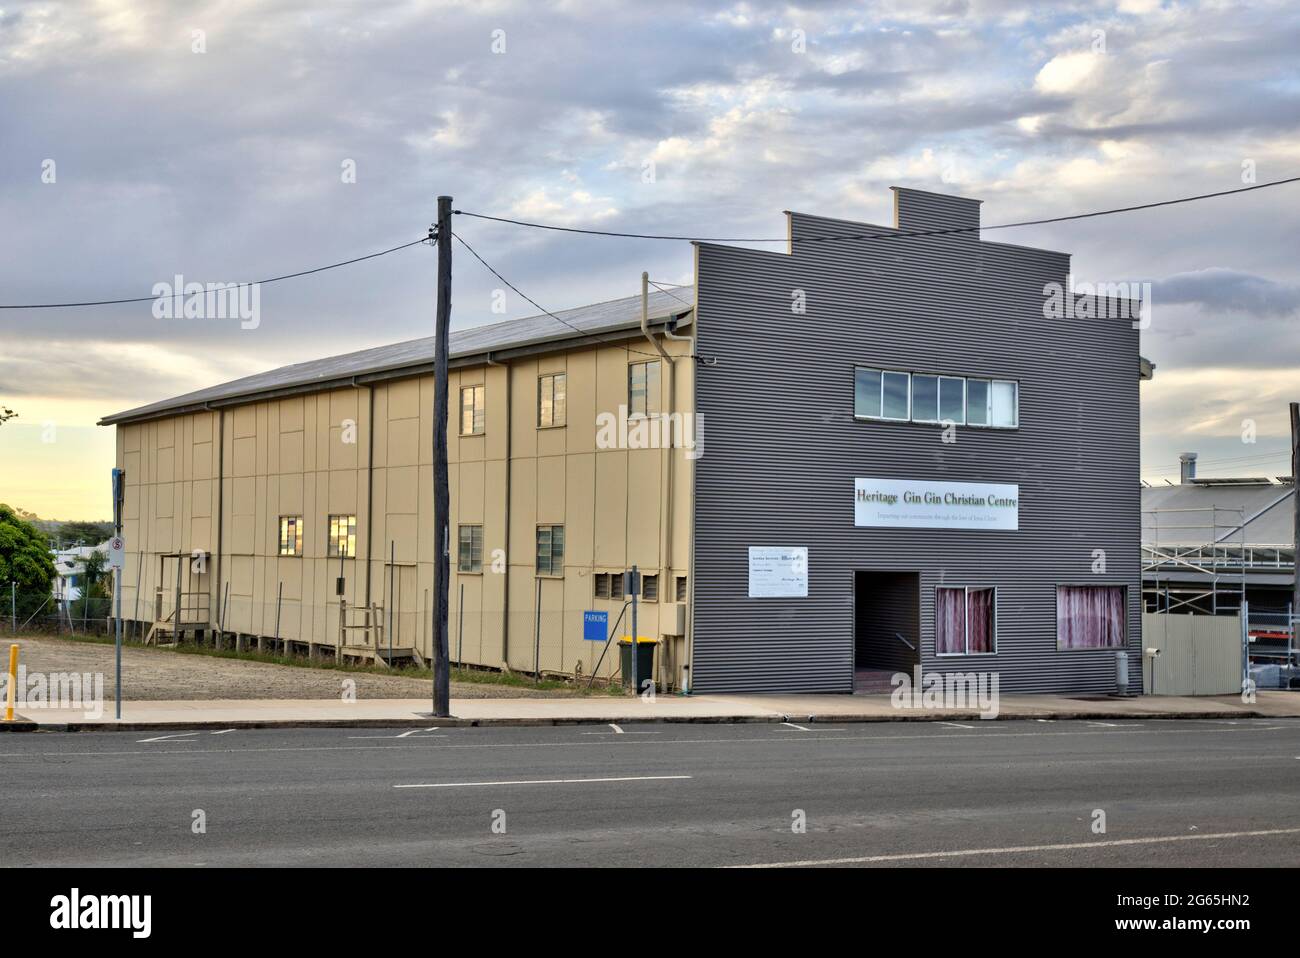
(537,639)
(634,586)
(279,595)
(1245,644)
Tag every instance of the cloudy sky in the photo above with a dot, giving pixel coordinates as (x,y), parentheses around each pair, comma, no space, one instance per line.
(141,142)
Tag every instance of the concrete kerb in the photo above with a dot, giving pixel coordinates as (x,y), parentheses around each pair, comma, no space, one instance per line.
(423,721)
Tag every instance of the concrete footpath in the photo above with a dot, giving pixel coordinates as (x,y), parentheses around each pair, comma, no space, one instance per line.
(798,709)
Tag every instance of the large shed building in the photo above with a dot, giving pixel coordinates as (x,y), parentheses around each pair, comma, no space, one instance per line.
(865,453)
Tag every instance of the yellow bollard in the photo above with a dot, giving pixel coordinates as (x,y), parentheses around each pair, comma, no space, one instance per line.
(13,682)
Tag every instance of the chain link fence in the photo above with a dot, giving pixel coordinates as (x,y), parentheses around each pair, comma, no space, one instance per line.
(55,615)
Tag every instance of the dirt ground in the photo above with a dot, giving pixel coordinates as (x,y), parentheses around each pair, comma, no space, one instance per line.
(150,674)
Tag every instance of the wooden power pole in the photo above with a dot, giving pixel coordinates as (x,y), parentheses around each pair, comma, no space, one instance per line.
(441,492)
(1295,511)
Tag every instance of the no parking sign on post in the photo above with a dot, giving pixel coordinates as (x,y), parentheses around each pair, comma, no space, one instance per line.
(116,552)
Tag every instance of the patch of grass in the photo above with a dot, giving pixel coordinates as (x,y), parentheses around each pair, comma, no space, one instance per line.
(468,676)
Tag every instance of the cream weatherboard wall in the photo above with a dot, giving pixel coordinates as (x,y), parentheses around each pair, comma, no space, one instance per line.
(171,501)
(292,457)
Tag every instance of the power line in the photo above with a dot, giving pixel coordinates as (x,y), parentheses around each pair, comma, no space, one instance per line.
(1232,460)
(669,292)
(891,235)
(543,309)
(1258,464)
(233,286)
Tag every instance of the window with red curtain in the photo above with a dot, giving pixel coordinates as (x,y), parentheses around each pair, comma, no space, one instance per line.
(979,620)
(964,621)
(1089,617)
(949,621)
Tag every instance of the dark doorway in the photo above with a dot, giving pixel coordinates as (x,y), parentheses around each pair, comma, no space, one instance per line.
(886,627)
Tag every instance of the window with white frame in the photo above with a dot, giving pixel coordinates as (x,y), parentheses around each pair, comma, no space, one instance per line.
(550,550)
(469,551)
(965,621)
(342,536)
(291,535)
(1090,617)
(643,389)
(935,398)
(473,406)
(552,400)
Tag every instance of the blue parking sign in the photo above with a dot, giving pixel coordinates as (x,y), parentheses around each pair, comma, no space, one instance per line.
(595,626)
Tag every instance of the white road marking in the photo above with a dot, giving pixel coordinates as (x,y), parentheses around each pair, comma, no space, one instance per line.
(956,725)
(163,738)
(410,734)
(1152,728)
(801,728)
(1104,724)
(1044,720)
(223,731)
(622,732)
(552,781)
(1017,849)
(617,730)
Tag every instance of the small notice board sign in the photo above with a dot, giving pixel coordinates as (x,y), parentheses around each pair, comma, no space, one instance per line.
(778,572)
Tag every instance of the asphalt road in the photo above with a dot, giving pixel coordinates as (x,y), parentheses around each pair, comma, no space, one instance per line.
(930,794)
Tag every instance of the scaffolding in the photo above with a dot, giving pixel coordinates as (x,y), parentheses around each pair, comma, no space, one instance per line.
(1211,578)
(1222,563)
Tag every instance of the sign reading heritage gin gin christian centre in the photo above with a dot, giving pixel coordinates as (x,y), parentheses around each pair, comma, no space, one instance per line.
(928,504)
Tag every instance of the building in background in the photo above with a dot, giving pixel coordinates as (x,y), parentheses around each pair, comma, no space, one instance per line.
(874,451)
(1209,545)
(69,567)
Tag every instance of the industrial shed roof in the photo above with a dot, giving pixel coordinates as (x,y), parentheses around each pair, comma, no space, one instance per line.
(582,325)
(1266,508)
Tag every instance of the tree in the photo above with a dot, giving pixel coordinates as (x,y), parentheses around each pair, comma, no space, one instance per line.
(95,580)
(6,414)
(66,534)
(24,559)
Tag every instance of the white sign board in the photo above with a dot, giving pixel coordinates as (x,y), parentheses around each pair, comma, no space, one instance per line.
(928,504)
(778,573)
(116,552)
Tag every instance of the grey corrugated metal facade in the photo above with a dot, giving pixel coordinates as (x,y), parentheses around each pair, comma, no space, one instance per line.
(783,448)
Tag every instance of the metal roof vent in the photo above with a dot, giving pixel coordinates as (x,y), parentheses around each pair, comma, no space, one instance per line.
(1187,467)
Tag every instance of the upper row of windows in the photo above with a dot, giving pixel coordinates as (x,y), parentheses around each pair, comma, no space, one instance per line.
(925,397)
(553,399)
(341,538)
(877,394)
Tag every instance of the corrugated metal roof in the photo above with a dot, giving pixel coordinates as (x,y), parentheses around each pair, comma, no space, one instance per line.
(1266,508)
(530,331)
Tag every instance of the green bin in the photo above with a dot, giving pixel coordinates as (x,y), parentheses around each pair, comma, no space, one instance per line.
(645,659)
